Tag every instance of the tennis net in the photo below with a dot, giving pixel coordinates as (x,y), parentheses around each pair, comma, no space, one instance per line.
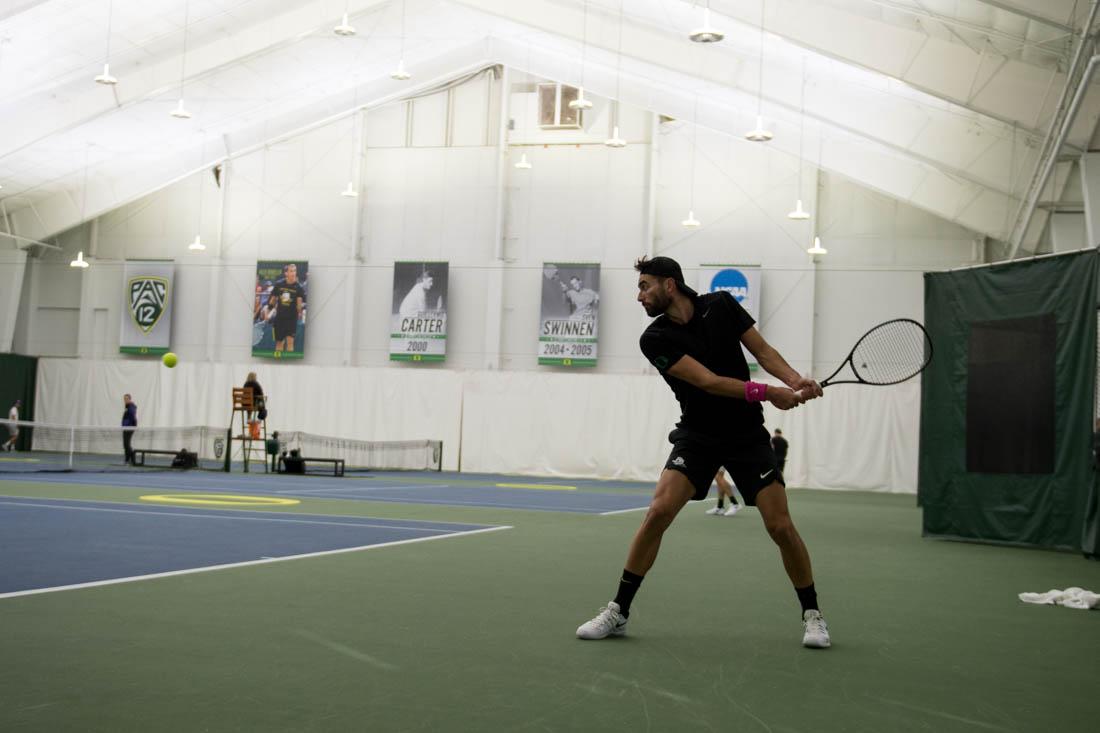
(365,455)
(46,447)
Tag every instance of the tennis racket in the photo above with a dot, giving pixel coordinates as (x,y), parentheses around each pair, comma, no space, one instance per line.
(889,353)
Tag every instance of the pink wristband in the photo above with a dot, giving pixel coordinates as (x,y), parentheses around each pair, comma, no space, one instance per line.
(755,392)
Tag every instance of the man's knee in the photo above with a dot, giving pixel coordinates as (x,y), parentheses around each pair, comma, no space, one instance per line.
(781,529)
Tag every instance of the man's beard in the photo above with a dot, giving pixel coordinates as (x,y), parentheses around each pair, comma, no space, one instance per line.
(659,305)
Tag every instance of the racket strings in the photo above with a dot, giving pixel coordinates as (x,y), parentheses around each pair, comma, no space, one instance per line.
(891,353)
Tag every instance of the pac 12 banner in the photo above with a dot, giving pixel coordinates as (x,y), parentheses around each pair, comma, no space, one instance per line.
(569,327)
(147,307)
(740,281)
(279,309)
(418,321)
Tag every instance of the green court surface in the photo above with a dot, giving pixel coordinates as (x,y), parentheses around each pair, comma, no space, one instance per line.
(476,633)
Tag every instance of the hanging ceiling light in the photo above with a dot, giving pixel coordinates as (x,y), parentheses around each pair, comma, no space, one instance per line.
(580,102)
(817,249)
(345,28)
(523,164)
(197,245)
(798,212)
(691,222)
(399,73)
(615,141)
(706,34)
(759,134)
(179,112)
(105,77)
(350,191)
(79,261)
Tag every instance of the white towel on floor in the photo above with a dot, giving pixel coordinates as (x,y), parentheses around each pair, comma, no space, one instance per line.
(1070,598)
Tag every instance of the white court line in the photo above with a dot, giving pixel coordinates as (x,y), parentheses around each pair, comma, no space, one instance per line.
(190,571)
(229,516)
(623,511)
(362,488)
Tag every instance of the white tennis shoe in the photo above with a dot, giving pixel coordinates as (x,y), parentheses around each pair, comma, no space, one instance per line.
(816,634)
(734,508)
(608,622)
(716,511)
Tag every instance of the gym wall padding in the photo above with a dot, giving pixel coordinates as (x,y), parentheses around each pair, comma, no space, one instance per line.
(17,380)
(993,467)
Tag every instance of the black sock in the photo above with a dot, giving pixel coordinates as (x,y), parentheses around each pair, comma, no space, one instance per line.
(628,586)
(721,501)
(807,597)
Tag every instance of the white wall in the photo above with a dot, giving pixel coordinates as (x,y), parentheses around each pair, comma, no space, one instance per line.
(427,180)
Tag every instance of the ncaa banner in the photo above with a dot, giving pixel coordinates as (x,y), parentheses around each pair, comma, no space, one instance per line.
(279,309)
(570,321)
(418,320)
(740,281)
(147,307)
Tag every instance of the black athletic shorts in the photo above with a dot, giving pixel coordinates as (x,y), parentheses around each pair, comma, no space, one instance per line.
(281,329)
(749,459)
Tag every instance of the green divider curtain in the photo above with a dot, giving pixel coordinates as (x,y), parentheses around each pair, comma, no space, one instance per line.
(17,380)
(1007,404)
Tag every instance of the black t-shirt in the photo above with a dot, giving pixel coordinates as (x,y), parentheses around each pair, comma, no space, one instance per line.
(713,338)
(286,296)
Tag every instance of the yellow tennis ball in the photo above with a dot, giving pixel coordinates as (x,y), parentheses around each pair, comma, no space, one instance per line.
(169,360)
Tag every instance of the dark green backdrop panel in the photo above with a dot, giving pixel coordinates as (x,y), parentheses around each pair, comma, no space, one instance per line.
(17,380)
(1056,509)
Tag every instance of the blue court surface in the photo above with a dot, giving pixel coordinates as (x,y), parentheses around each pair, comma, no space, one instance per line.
(448,489)
(51,544)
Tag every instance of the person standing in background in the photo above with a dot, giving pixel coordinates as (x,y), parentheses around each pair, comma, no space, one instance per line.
(13,429)
(779,447)
(129,420)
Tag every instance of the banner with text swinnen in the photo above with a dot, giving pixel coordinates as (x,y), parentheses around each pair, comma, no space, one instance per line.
(569,325)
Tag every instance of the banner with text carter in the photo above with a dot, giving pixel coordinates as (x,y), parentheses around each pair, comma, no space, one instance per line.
(740,281)
(418,320)
(569,327)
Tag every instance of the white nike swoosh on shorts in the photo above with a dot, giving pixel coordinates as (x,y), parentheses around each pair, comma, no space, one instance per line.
(765,473)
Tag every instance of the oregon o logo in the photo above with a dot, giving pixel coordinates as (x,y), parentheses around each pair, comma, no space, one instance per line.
(733,282)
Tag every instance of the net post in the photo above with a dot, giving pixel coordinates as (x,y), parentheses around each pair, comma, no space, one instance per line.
(72,445)
(228,447)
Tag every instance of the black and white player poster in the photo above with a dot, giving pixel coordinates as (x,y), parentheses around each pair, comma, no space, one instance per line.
(279,309)
(147,307)
(740,281)
(569,326)
(418,321)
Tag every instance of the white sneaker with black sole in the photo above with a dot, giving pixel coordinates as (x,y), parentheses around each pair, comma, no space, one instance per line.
(608,622)
(816,633)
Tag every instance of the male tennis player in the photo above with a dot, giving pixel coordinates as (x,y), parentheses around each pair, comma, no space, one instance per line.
(695,342)
(725,492)
(291,299)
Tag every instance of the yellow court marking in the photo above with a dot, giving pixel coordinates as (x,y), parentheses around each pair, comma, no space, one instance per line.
(220,500)
(544,487)
(20,460)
